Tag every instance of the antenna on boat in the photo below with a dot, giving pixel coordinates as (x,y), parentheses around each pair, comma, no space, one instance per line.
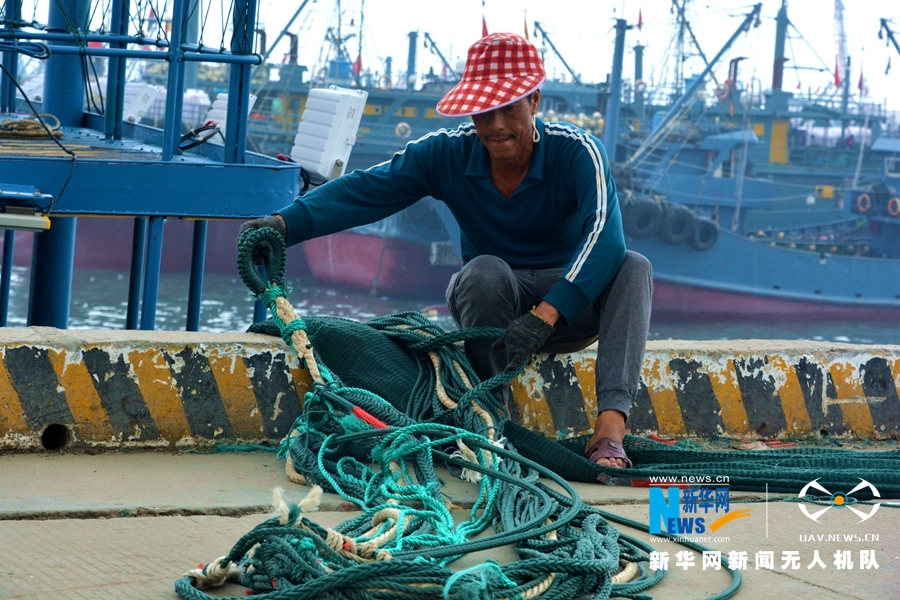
(684,101)
(433,47)
(890,35)
(543,33)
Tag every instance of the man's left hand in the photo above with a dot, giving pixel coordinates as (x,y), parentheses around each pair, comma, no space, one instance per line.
(523,337)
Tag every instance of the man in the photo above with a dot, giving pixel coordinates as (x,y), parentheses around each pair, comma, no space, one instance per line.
(541,230)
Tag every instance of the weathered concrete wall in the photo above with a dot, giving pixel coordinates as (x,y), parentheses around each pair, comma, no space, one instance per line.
(746,388)
(138,388)
(135,388)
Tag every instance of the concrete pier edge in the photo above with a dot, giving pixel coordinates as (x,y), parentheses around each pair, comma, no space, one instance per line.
(120,389)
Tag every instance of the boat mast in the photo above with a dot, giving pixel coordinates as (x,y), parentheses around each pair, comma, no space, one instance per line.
(358,74)
(890,34)
(781,24)
(433,47)
(611,129)
(283,33)
(540,30)
(685,25)
(686,98)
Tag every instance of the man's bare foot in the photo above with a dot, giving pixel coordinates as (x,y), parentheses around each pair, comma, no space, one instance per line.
(609,424)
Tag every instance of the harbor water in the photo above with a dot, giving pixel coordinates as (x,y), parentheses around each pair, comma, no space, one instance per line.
(100,300)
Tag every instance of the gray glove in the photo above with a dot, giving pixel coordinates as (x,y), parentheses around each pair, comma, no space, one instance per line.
(523,337)
(264,249)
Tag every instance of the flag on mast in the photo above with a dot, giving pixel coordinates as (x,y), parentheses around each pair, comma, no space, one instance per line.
(837,71)
(640,20)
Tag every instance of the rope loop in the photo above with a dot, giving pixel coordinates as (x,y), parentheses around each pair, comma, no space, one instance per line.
(273,262)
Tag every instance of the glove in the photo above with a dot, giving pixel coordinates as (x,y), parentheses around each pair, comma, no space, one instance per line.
(263,249)
(523,337)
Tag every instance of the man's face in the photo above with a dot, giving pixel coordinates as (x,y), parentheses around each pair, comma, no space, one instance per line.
(506,132)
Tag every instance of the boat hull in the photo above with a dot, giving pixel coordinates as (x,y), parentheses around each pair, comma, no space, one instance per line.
(388,265)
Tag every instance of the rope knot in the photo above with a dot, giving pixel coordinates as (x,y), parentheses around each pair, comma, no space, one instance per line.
(215,573)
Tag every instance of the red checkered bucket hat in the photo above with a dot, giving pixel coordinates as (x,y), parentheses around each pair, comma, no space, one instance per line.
(500,69)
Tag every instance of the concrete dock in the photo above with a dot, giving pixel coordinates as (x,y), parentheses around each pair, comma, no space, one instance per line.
(128,524)
(110,486)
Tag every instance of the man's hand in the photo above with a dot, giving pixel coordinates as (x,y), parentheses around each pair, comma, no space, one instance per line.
(523,337)
(264,249)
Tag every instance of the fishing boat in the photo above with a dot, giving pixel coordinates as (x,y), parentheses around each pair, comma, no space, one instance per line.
(741,201)
(744,216)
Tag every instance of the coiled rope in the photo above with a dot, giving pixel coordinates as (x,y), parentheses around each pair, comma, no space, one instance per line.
(405,538)
(380,453)
(30,128)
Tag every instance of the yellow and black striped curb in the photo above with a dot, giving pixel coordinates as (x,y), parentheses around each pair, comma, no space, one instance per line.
(137,388)
(744,388)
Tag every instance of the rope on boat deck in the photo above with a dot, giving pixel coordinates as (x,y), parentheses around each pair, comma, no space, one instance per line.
(30,128)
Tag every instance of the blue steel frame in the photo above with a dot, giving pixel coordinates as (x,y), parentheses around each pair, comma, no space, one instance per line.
(214,183)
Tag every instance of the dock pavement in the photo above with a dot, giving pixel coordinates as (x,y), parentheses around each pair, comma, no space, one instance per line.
(101,525)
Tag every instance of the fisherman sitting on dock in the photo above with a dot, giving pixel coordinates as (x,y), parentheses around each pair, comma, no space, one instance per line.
(541,231)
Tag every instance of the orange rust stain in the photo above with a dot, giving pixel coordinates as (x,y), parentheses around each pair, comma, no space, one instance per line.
(847,385)
(12,416)
(303,382)
(587,381)
(895,371)
(728,393)
(160,393)
(792,401)
(532,403)
(657,376)
(236,390)
(91,421)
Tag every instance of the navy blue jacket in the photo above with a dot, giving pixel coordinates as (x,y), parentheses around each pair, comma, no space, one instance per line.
(564,214)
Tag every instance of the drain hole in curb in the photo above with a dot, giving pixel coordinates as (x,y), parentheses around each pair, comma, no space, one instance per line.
(55,437)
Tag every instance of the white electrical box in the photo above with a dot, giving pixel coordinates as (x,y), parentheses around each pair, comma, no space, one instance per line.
(327,130)
(138,99)
(218,112)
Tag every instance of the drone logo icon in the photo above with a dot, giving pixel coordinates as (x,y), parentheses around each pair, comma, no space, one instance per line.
(839,500)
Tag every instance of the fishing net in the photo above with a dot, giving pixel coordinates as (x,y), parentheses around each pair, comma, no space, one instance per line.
(395,398)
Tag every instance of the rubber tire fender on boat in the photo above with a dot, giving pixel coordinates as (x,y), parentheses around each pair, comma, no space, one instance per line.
(706,233)
(894,207)
(863,203)
(641,218)
(677,225)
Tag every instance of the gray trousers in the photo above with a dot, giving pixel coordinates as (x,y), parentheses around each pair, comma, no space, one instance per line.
(487,292)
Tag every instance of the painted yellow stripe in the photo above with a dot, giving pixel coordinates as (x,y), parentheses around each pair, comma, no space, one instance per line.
(238,397)
(587,382)
(12,416)
(528,393)
(160,392)
(847,385)
(91,420)
(657,377)
(727,391)
(792,401)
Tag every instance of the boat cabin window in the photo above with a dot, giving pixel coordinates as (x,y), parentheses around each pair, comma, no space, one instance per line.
(406,111)
(892,167)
